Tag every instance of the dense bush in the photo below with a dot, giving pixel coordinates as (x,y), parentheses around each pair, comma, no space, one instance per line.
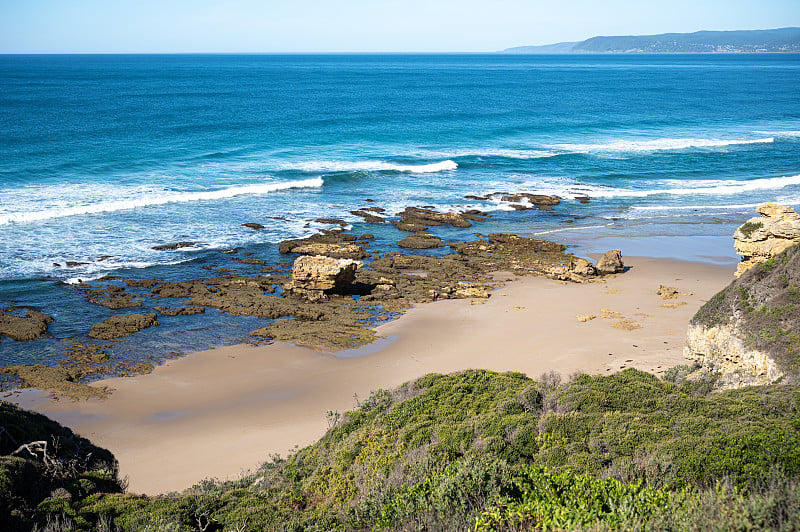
(502,451)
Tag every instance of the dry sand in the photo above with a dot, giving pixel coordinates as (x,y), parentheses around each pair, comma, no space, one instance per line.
(220,412)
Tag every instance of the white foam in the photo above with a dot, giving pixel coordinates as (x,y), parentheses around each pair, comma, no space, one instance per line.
(493,152)
(154,199)
(739,206)
(664,144)
(372,166)
(778,133)
(705,187)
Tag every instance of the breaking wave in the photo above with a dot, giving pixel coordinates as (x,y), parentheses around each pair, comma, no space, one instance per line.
(155,199)
(665,144)
(373,166)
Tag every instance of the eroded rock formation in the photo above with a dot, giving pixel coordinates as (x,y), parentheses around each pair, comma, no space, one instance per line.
(749,333)
(761,238)
(611,262)
(313,277)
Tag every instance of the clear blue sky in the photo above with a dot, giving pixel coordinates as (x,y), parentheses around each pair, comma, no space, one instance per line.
(56,26)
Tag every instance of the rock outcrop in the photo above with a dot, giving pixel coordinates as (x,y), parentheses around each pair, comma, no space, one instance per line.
(761,238)
(336,251)
(610,262)
(749,333)
(24,328)
(421,241)
(122,325)
(314,277)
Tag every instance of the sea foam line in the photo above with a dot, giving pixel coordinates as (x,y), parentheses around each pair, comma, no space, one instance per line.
(372,166)
(507,153)
(720,188)
(150,201)
(664,144)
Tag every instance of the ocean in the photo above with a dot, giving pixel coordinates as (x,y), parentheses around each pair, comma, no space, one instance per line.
(104,157)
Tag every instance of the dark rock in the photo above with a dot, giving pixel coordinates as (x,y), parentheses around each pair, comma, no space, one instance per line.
(180,311)
(331,221)
(122,325)
(368,217)
(253,225)
(250,260)
(430,217)
(288,246)
(409,227)
(113,297)
(24,329)
(172,247)
(520,244)
(421,241)
(142,283)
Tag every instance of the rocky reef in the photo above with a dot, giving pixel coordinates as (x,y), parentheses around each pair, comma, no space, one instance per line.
(24,328)
(333,294)
(122,325)
(749,333)
(765,236)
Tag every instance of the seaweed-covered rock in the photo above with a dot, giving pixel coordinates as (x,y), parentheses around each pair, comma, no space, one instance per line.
(763,237)
(81,360)
(430,217)
(180,311)
(253,225)
(113,297)
(421,241)
(173,247)
(288,246)
(24,328)
(336,251)
(122,325)
(525,256)
(749,332)
(368,216)
(243,296)
(409,227)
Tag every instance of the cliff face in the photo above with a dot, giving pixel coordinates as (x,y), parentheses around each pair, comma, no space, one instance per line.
(749,332)
(765,236)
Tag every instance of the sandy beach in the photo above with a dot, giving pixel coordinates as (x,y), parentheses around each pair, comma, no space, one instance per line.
(221,412)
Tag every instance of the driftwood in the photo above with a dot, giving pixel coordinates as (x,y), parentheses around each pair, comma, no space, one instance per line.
(34,447)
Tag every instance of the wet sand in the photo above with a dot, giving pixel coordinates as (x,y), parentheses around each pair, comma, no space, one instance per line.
(221,412)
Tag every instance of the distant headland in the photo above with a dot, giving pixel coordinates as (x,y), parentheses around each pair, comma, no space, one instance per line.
(782,40)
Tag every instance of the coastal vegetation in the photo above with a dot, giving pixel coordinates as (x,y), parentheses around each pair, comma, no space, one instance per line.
(486,451)
(763,305)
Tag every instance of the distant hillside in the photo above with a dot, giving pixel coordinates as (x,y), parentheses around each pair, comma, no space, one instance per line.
(744,41)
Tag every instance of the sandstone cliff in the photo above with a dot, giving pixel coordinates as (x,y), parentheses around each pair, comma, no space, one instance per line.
(749,333)
(765,236)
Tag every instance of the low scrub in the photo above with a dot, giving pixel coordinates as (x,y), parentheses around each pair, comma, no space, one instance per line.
(500,451)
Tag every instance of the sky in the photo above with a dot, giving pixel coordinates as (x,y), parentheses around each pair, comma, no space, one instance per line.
(330,26)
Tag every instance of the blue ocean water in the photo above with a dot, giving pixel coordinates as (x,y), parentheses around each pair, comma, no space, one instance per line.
(103,157)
